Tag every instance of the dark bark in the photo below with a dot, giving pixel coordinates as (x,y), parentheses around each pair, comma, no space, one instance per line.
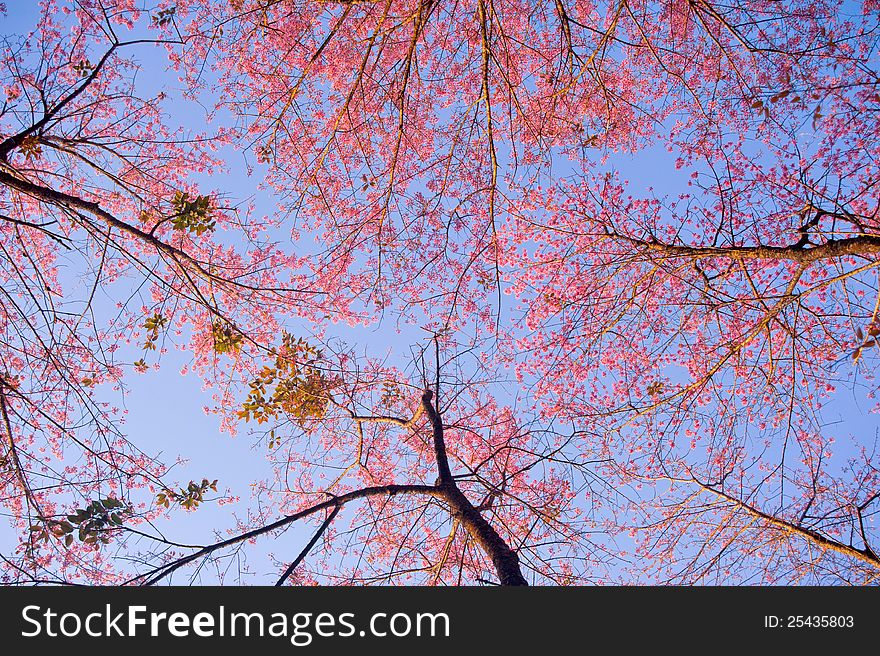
(502,556)
(157,574)
(445,490)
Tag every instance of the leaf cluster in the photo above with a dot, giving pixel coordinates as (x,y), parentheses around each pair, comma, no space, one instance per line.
(30,146)
(227,338)
(189,497)
(294,386)
(164,17)
(90,525)
(193,215)
(153,325)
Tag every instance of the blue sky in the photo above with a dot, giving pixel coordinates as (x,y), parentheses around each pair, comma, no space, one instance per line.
(164,409)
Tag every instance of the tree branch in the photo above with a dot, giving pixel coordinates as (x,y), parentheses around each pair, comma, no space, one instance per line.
(866,555)
(308,547)
(445,474)
(502,556)
(157,574)
(831,249)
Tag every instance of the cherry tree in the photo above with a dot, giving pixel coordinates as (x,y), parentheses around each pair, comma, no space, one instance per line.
(641,236)
(106,242)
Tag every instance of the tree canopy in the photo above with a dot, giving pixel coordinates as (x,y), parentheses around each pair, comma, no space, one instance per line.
(638,243)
